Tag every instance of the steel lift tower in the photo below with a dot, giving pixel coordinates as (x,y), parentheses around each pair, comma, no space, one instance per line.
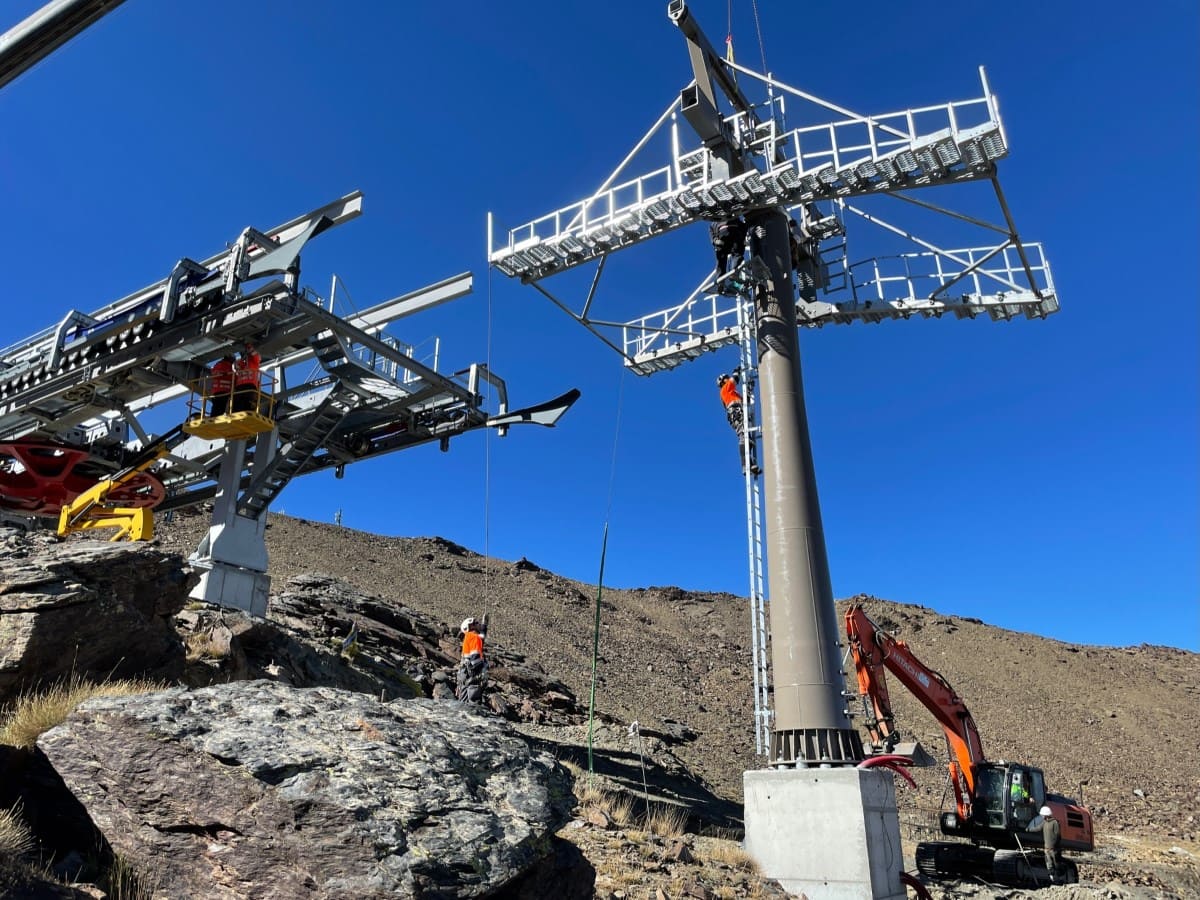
(813,813)
(79,401)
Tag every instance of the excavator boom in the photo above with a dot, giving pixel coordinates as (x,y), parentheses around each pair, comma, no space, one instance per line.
(874,650)
(997,802)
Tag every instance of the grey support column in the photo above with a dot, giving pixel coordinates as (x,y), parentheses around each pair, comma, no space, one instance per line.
(811,726)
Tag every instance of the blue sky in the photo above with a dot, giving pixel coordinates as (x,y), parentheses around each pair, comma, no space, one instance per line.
(1041,476)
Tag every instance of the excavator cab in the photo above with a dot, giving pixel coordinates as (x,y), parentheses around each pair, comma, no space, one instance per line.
(1007,798)
(991,797)
(1026,794)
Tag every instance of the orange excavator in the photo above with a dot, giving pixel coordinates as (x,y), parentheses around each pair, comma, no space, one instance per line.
(996,803)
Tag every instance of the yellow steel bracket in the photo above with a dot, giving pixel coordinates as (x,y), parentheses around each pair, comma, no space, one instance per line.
(91,509)
(132,524)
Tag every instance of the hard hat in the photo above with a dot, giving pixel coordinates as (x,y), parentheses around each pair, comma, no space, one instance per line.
(1044,812)
(721,379)
(466,623)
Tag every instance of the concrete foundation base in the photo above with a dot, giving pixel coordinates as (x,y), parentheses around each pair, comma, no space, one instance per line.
(232,587)
(829,834)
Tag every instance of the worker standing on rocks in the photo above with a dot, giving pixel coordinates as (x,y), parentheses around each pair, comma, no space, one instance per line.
(472,671)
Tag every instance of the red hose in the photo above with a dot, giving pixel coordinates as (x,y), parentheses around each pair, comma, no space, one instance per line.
(892,761)
(913,882)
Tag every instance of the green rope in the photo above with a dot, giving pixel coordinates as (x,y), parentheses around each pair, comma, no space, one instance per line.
(596,650)
(612,478)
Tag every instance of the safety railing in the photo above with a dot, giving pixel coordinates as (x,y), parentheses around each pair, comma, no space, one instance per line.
(926,275)
(219,409)
(853,156)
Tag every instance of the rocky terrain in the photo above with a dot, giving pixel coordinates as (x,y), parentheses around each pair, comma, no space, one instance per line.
(673,703)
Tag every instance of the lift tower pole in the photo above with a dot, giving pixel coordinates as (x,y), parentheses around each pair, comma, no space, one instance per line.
(810,723)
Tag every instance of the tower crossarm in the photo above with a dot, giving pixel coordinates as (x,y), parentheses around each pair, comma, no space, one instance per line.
(850,157)
(963,283)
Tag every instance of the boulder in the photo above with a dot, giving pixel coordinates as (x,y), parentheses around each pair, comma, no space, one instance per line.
(260,789)
(86,608)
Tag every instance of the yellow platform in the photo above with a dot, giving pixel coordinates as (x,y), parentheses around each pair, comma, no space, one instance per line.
(231,427)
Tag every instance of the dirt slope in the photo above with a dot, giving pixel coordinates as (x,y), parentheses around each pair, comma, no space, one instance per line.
(1116,720)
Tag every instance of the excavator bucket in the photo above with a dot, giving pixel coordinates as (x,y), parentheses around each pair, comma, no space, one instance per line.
(914,751)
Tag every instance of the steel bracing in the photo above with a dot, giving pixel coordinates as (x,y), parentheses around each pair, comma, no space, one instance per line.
(76,399)
(88,381)
(852,158)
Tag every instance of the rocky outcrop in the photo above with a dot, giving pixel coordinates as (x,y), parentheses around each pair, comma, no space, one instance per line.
(261,789)
(321,631)
(85,608)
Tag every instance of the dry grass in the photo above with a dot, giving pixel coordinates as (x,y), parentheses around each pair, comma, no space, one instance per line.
(37,712)
(617,806)
(200,646)
(667,821)
(728,854)
(123,882)
(16,840)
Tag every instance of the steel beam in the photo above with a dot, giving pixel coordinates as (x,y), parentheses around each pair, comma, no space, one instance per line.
(29,42)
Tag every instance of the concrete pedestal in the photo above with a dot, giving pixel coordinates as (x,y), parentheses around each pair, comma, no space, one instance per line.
(232,557)
(232,587)
(831,834)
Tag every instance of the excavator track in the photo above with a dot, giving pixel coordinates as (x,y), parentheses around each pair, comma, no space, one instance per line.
(941,859)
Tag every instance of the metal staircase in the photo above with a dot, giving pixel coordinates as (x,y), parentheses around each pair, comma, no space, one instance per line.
(274,477)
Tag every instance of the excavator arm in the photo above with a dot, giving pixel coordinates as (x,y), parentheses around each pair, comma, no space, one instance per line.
(874,650)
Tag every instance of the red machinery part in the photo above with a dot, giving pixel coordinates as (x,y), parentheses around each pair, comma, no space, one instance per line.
(39,479)
(893,761)
(912,882)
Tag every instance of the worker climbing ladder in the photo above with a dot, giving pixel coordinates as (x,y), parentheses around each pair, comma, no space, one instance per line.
(747,344)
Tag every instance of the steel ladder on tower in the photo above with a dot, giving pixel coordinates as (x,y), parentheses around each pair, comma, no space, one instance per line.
(747,344)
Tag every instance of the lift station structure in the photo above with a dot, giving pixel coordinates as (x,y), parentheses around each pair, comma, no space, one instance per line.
(731,156)
(80,400)
(74,399)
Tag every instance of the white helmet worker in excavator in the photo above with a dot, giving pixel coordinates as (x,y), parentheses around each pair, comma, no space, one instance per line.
(472,671)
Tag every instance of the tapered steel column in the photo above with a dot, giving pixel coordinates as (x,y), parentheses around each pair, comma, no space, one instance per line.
(810,726)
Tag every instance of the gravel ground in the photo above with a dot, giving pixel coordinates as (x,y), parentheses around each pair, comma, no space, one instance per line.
(1114,723)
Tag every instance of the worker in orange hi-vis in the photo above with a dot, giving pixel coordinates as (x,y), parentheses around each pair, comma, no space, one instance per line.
(220,386)
(472,672)
(247,378)
(734,413)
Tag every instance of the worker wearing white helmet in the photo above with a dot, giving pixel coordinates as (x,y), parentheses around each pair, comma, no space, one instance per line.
(1051,832)
(472,671)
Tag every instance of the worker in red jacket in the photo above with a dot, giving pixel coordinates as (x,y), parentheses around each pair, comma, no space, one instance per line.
(248,379)
(220,386)
(734,413)
(472,671)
